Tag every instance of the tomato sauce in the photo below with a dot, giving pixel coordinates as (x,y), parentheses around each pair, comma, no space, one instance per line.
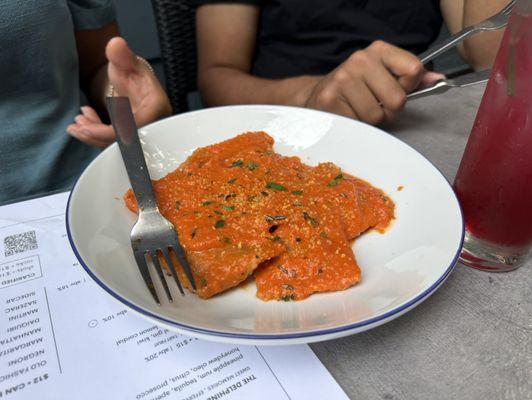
(241,209)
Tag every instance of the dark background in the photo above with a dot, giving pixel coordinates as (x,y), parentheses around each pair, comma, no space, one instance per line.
(137,25)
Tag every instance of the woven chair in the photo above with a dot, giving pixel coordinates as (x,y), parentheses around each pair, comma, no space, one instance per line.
(177,37)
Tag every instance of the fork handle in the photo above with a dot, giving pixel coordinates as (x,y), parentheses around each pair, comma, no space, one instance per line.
(129,143)
(447,44)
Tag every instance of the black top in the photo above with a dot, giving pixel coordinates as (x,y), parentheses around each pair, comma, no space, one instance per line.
(298,37)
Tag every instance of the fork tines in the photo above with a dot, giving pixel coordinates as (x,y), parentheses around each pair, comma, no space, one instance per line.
(155,256)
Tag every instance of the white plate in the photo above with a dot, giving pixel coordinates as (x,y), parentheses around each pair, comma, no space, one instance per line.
(400,268)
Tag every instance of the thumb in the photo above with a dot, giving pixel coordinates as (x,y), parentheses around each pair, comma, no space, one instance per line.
(429,78)
(119,55)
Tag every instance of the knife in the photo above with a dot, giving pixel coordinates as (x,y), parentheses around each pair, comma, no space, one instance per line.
(444,85)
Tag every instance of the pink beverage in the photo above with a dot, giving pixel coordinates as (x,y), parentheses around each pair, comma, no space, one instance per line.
(494,181)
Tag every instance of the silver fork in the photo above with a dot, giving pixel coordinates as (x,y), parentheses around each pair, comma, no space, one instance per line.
(152,233)
(493,23)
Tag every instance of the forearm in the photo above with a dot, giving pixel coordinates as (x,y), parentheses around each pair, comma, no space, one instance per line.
(220,85)
(480,50)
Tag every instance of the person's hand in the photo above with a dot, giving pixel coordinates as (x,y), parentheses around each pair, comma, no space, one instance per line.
(372,84)
(131,78)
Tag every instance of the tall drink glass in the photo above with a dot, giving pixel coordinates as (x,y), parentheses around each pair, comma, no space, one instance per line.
(494,181)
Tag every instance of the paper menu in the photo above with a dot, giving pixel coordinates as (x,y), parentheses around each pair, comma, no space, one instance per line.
(63,337)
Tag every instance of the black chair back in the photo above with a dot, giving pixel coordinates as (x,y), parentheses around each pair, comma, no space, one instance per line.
(177,37)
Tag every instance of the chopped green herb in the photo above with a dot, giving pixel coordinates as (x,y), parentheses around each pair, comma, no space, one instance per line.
(193,233)
(219,224)
(283,269)
(206,203)
(218,212)
(221,195)
(297,203)
(275,239)
(287,297)
(275,186)
(334,181)
(264,194)
(309,219)
(177,205)
(287,287)
(251,198)
(231,181)
(252,165)
(228,208)
(237,163)
(297,192)
(323,234)
(203,282)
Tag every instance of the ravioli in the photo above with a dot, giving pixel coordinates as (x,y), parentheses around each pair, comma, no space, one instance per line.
(242,209)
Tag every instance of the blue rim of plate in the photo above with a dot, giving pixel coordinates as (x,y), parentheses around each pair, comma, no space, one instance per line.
(323,332)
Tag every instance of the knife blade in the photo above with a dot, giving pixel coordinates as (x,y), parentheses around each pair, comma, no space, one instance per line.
(443,85)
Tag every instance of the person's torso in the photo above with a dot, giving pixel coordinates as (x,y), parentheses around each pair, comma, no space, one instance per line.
(314,36)
(40,96)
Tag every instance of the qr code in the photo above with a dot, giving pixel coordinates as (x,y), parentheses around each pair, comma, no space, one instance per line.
(20,243)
